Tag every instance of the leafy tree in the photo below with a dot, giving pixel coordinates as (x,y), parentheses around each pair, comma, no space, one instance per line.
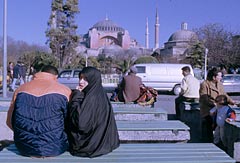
(105,63)
(146,59)
(42,59)
(195,55)
(124,65)
(61,32)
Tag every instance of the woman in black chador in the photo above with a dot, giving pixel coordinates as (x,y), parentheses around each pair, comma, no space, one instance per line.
(91,126)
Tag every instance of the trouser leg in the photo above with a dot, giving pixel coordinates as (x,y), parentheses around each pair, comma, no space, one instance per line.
(207,132)
(178,100)
(14,83)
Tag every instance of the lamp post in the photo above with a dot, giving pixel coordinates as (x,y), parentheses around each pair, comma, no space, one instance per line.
(205,64)
(5,50)
(86,60)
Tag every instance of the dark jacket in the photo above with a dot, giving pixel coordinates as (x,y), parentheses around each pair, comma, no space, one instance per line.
(91,126)
(39,109)
(16,69)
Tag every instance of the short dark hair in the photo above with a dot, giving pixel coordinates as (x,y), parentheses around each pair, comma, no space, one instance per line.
(213,72)
(50,69)
(186,68)
(221,99)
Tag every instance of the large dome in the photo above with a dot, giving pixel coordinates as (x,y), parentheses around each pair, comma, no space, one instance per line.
(183,35)
(107,25)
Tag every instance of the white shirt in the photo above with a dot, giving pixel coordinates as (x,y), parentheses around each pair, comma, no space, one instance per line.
(190,86)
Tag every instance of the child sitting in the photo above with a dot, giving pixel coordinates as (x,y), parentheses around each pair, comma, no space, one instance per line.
(221,113)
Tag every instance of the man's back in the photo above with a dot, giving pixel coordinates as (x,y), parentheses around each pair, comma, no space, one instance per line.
(39,111)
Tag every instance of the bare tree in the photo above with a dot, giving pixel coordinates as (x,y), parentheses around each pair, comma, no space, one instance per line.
(219,43)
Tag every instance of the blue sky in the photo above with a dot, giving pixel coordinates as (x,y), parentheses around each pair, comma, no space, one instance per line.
(27,19)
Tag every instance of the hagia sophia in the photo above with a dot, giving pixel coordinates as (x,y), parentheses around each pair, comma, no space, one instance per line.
(111,39)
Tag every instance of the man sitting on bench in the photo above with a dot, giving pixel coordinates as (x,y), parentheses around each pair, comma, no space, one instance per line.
(189,90)
(36,115)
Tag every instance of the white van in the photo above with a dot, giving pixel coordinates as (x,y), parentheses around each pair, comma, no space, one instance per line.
(162,77)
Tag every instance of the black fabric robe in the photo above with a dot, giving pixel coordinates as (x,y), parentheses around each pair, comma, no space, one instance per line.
(91,125)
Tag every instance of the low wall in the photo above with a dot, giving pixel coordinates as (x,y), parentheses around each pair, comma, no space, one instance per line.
(232,135)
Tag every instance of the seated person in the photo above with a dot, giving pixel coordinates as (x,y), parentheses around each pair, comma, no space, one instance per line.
(36,115)
(189,90)
(91,126)
(129,88)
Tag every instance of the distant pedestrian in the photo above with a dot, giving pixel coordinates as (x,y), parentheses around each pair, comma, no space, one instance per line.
(32,71)
(10,71)
(16,76)
(22,73)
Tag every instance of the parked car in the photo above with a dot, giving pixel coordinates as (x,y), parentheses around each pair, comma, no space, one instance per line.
(231,83)
(69,77)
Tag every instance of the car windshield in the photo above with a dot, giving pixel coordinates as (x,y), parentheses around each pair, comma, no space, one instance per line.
(65,74)
(227,78)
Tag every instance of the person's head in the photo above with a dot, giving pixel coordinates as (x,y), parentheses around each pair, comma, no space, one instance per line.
(133,69)
(214,75)
(50,69)
(221,100)
(186,70)
(89,77)
(19,62)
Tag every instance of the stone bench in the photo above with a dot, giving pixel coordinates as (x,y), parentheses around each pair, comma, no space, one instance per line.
(232,135)
(190,115)
(132,153)
(139,113)
(158,130)
(153,131)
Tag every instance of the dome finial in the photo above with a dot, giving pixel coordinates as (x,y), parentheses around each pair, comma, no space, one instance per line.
(184,26)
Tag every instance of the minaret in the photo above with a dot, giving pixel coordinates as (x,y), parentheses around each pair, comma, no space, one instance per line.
(156,30)
(147,36)
(106,17)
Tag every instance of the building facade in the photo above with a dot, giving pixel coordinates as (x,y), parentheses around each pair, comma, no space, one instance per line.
(106,33)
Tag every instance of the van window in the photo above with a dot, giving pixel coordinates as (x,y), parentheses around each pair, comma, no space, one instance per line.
(141,69)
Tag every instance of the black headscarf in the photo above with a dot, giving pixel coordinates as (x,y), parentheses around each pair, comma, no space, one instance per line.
(91,125)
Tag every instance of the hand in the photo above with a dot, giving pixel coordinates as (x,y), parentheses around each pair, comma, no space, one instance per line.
(79,88)
(230,120)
